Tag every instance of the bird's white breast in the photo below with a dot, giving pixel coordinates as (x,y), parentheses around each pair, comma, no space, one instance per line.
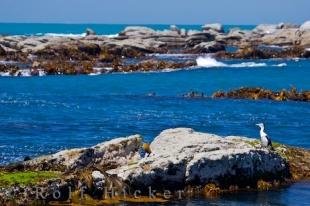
(264,138)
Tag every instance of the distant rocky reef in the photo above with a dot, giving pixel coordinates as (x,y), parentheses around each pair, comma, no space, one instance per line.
(132,49)
(257,93)
(254,93)
(179,163)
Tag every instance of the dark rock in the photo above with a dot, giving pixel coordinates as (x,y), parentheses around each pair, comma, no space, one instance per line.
(90,49)
(2,51)
(27,158)
(250,53)
(197,38)
(306,53)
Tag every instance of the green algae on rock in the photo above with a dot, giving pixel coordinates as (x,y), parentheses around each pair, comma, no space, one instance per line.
(25,178)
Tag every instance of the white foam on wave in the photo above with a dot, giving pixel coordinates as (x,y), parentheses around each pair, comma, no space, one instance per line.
(209,62)
(64,35)
(73,35)
(281,65)
(23,73)
(42,73)
(111,35)
(5,74)
(94,74)
(248,64)
(170,70)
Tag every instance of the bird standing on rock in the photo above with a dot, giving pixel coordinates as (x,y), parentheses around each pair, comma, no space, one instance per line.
(265,140)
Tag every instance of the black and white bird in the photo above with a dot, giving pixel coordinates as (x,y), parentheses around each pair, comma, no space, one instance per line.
(265,140)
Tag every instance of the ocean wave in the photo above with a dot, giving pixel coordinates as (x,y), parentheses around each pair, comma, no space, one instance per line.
(72,35)
(248,64)
(22,73)
(62,35)
(111,35)
(281,65)
(209,62)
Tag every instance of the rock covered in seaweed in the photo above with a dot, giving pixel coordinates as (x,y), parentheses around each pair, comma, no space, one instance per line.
(261,93)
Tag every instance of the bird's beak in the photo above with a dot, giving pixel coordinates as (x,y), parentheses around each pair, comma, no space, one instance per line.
(257,125)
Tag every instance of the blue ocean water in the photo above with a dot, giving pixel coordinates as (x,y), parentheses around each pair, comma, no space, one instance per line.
(41,115)
(101,29)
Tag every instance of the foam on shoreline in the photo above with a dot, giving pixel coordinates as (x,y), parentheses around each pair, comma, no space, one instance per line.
(209,62)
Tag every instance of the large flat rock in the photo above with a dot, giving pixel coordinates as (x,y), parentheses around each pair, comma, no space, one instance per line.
(184,157)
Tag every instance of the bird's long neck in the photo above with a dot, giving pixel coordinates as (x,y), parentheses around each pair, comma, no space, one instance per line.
(262,130)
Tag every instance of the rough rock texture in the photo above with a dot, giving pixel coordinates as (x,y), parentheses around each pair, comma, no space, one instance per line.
(109,154)
(180,159)
(184,157)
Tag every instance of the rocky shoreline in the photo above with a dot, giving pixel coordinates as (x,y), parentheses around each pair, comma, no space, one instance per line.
(181,163)
(132,49)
